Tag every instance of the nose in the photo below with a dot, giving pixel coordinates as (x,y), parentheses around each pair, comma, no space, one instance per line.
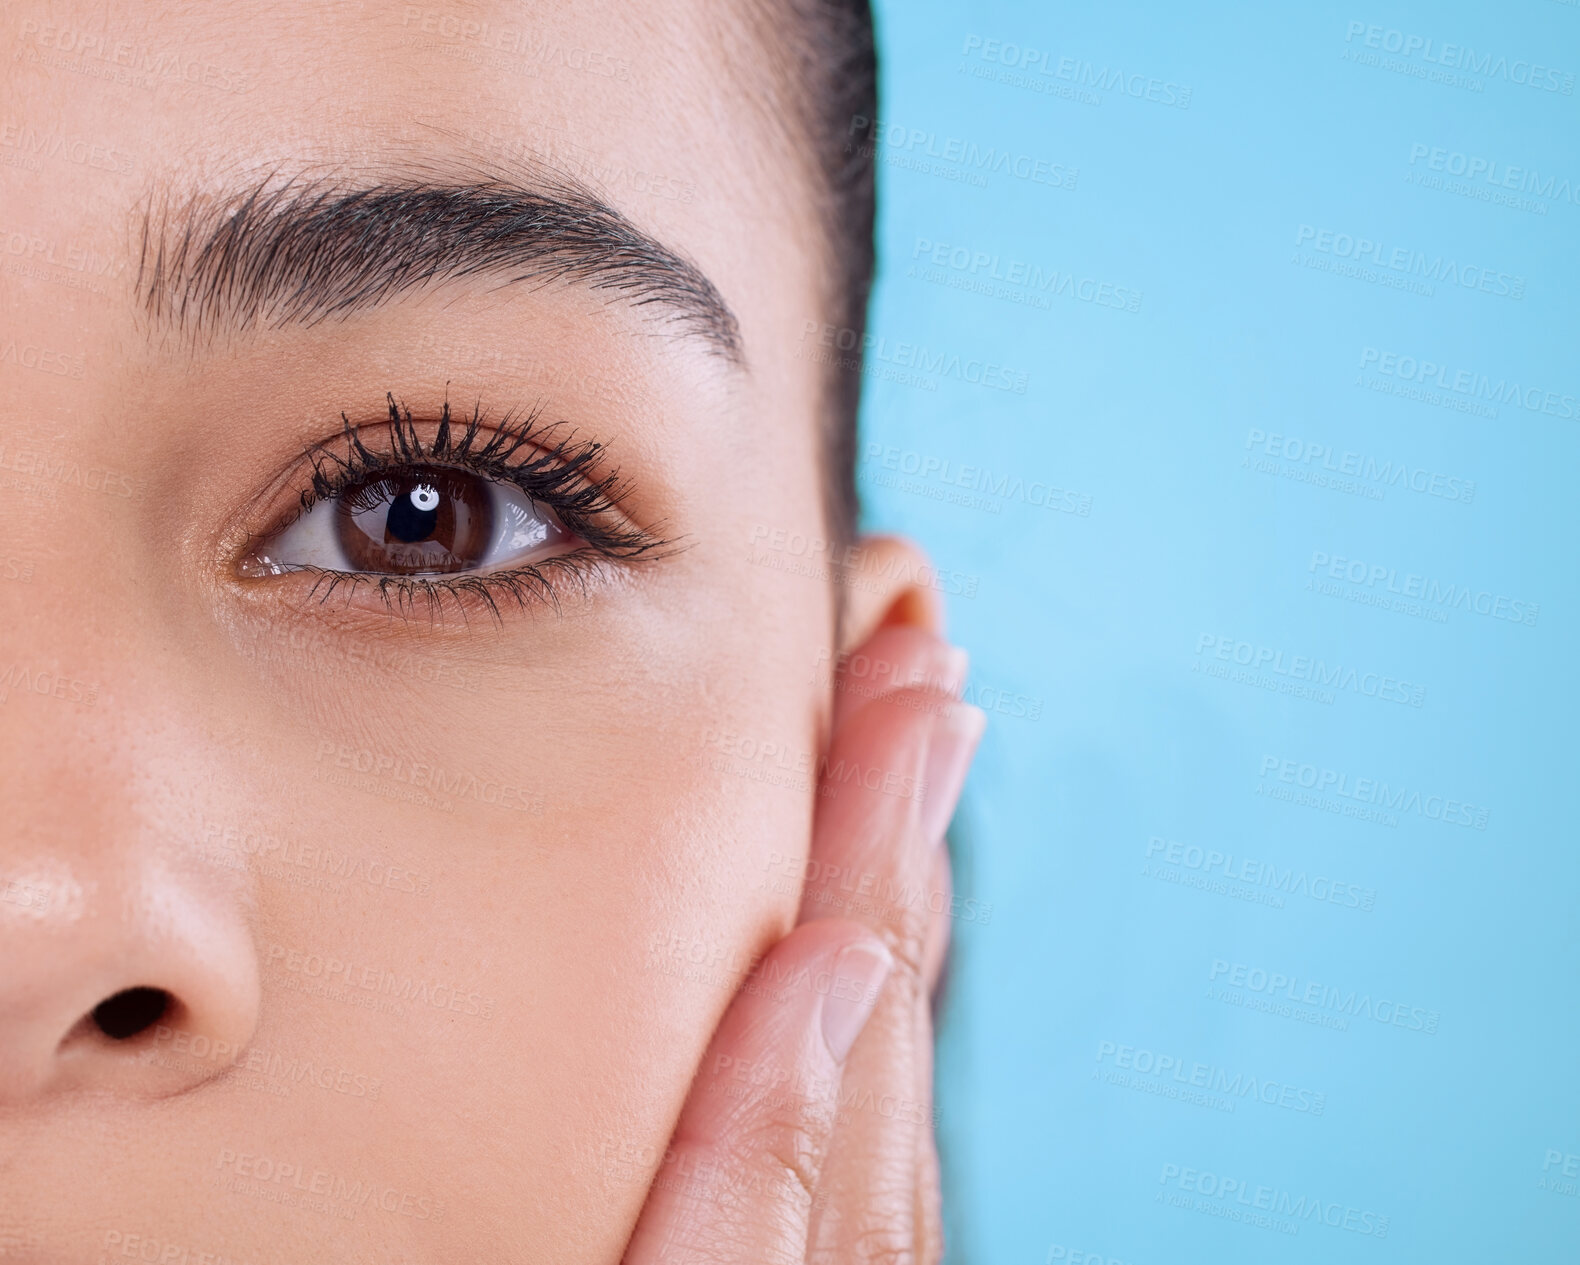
(125,974)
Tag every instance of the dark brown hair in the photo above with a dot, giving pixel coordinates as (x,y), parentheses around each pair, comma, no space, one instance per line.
(847,123)
(828,54)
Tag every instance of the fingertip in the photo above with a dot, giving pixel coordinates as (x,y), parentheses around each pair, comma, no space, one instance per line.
(896,658)
(951,746)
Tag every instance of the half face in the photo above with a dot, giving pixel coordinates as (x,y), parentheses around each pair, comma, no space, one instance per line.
(414,671)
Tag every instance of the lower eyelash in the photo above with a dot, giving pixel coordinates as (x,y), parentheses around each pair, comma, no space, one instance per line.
(406,595)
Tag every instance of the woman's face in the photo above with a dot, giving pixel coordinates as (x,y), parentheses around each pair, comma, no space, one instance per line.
(443,907)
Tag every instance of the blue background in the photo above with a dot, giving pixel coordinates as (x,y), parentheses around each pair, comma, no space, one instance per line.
(1432,1006)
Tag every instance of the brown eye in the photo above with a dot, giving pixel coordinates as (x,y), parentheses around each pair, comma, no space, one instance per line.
(420,521)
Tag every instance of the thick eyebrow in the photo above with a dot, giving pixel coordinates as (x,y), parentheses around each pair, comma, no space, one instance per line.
(301,251)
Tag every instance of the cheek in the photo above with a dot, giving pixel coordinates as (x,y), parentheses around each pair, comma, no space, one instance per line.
(632,924)
(681,867)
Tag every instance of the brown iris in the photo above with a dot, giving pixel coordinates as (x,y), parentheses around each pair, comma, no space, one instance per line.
(416,521)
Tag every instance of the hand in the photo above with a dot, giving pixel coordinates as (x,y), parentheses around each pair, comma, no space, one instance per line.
(798,1142)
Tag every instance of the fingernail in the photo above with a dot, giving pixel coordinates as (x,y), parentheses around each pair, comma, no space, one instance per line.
(859,973)
(933,665)
(953,664)
(949,750)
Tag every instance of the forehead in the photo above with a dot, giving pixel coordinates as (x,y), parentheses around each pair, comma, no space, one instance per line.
(495,73)
(665,109)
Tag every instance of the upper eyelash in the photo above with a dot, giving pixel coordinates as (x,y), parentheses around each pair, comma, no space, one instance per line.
(559,473)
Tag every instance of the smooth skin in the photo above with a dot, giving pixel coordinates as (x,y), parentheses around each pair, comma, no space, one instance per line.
(466,1024)
(772,1169)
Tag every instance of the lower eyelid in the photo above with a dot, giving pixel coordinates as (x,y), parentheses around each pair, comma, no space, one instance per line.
(547,583)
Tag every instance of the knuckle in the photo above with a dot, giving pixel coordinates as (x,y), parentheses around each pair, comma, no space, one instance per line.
(893,1244)
(888,1241)
(791,1145)
(907,944)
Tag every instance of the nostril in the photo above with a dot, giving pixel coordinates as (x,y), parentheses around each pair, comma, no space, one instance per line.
(131,1011)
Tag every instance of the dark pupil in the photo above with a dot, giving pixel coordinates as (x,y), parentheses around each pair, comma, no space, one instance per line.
(407,522)
(421,522)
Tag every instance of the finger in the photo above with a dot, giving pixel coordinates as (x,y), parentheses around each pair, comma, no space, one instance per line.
(929,1212)
(888,788)
(904,657)
(894,770)
(897,657)
(927,1194)
(738,1181)
(842,883)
